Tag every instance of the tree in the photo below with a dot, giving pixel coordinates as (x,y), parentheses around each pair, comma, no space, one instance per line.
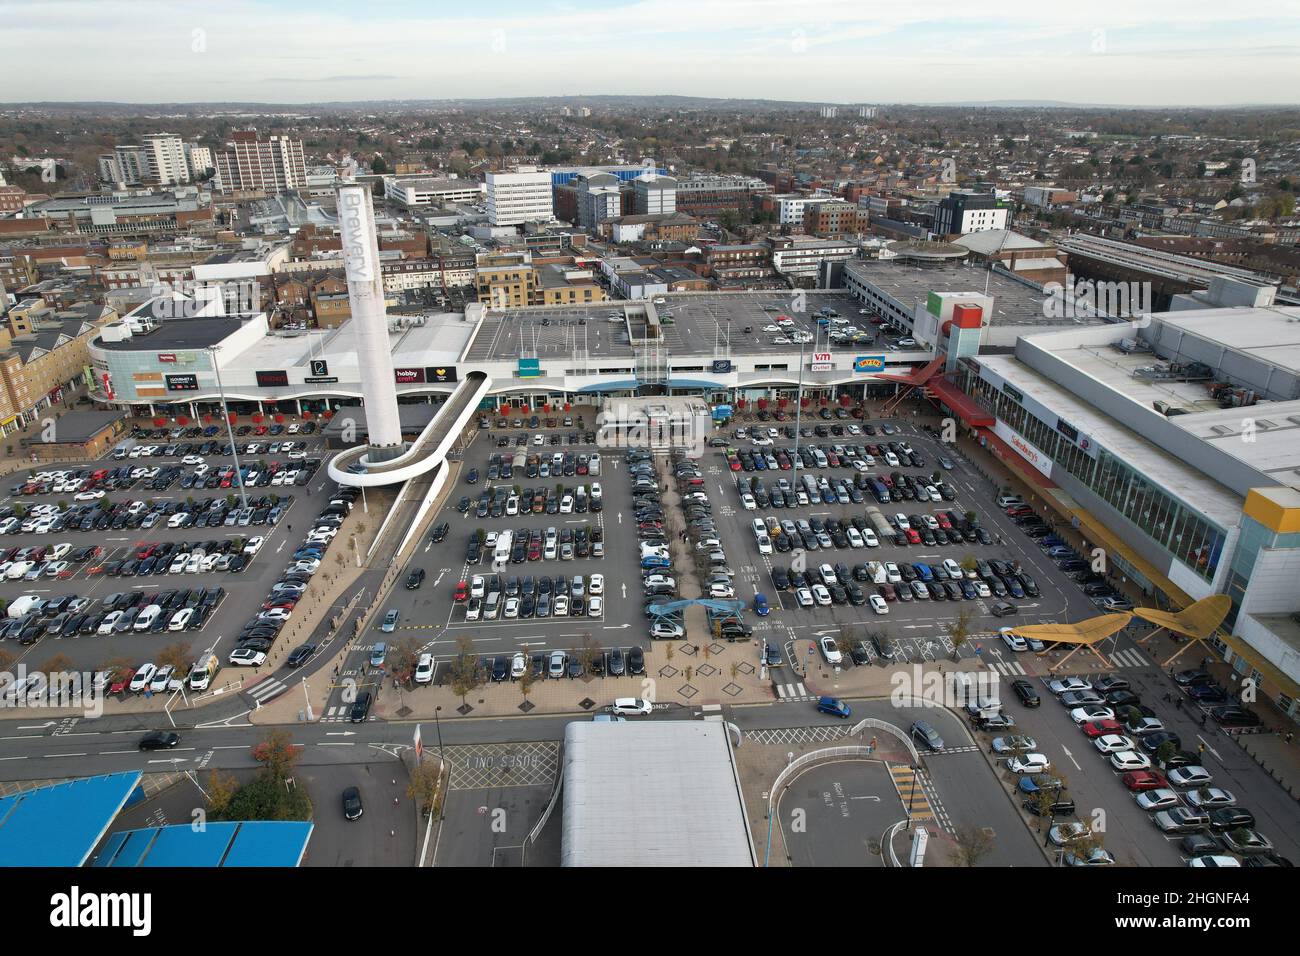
(959,631)
(466,670)
(526,680)
(59,662)
(222,788)
(277,755)
(406,654)
(972,845)
(175,655)
(426,786)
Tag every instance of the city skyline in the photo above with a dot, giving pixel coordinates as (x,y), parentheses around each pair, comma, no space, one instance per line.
(825,50)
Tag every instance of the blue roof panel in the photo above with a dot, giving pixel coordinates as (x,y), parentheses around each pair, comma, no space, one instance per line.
(60,825)
(181,846)
(269,843)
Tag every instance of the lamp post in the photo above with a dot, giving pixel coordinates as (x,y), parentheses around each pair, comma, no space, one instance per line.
(798,406)
(230,429)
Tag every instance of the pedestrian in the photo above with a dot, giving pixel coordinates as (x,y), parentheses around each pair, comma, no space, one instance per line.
(1290,736)
(1178,704)
(1202,720)
(1200,749)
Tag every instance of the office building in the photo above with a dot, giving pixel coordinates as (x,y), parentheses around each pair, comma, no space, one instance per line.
(272,165)
(415,191)
(519,197)
(962,212)
(654,195)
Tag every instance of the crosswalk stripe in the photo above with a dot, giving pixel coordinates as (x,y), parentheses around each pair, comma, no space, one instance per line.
(1129,657)
(266,690)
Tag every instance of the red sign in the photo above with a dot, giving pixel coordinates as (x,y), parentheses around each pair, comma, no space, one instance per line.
(167,356)
(409,376)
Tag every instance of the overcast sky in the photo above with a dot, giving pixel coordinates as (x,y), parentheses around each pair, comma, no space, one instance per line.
(1132,52)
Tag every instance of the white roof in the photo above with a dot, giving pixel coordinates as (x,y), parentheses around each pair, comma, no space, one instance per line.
(652,793)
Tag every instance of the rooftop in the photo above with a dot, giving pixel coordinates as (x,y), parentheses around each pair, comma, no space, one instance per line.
(699,325)
(176,334)
(675,779)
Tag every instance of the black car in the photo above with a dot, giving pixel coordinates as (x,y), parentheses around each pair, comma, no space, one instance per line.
(859,653)
(500,667)
(352,808)
(1233,716)
(1225,819)
(636,661)
(771,656)
(300,655)
(1107,684)
(1122,698)
(617,663)
(1207,694)
(159,740)
(415,579)
(1025,691)
(439,532)
(1192,678)
(361,707)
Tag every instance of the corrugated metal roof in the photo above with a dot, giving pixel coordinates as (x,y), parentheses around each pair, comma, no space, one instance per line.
(60,824)
(652,793)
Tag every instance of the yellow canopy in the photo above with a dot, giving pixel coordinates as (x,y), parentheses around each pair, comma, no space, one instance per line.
(1085,633)
(1197,621)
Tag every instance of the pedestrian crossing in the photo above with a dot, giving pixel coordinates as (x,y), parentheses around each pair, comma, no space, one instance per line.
(267,691)
(1130,657)
(793,692)
(911,792)
(1007,668)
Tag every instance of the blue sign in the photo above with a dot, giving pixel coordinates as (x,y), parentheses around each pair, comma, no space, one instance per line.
(530,367)
(869,363)
(721,365)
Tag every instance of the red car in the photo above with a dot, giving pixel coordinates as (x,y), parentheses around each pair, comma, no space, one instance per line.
(260,430)
(1095,728)
(913,537)
(1137,780)
(462,592)
(1014,511)
(944,523)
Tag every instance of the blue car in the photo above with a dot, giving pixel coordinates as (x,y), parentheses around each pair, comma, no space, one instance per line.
(761,607)
(472,477)
(833,706)
(653,561)
(924,570)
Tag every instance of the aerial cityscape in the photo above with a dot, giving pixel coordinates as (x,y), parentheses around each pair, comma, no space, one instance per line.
(860,439)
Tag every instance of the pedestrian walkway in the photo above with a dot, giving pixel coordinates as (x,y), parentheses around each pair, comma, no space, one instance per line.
(793,692)
(267,691)
(912,792)
(1130,657)
(1011,669)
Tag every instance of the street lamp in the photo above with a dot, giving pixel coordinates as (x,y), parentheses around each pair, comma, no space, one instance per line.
(798,405)
(230,429)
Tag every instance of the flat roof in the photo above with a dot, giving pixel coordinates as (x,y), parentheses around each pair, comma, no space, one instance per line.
(1015,303)
(176,334)
(77,426)
(1188,269)
(219,844)
(1270,335)
(60,824)
(652,793)
(1218,502)
(700,323)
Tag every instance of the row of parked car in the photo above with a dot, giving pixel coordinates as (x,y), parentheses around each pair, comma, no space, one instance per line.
(504,501)
(506,467)
(532,544)
(861,458)
(492,596)
(1164,779)
(148,558)
(1095,585)
(258,634)
(30,618)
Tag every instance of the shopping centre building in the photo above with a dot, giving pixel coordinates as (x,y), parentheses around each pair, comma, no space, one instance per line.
(1174,446)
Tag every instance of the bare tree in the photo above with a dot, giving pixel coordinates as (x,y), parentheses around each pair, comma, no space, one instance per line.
(972,844)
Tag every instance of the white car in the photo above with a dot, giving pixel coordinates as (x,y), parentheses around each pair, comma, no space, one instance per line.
(982,589)
(1214,861)
(855,538)
(181,619)
(142,678)
(561,606)
(161,678)
(1013,641)
(632,707)
(424,669)
(892,574)
(106,626)
(821,595)
(1211,798)
(719,590)
(1082,715)
(804,597)
(247,657)
(179,562)
(1152,800)
(596,584)
(869,538)
(764,543)
(1067,684)
(953,568)
(518,665)
(747,502)
(254,545)
(666,629)
(1127,760)
(88,495)
(1113,743)
(1028,763)
(831,651)
(879,604)
(1190,777)
(595,607)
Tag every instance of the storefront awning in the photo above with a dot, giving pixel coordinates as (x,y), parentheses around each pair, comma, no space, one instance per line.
(971,412)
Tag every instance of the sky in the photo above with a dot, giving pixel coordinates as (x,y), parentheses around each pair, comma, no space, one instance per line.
(1123,52)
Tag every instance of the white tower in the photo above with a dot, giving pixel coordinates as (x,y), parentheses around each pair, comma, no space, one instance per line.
(370,320)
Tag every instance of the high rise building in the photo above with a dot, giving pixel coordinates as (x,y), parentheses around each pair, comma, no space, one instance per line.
(199,160)
(598,199)
(272,165)
(963,212)
(519,197)
(655,195)
(164,160)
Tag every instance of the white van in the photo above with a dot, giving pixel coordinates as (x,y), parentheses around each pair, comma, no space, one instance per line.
(593,466)
(204,670)
(504,543)
(22,606)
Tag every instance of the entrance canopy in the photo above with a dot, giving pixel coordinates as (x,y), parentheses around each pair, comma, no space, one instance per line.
(1083,634)
(1197,621)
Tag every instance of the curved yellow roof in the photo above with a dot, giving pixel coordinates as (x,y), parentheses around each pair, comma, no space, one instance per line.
(1085,633)
(1197,621)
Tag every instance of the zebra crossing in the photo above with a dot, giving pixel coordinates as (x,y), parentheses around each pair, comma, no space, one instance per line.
(1007,668)
(793,692)
(1130,657)
(267,691)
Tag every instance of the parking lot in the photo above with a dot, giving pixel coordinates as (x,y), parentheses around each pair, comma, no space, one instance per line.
(544,583)
(148,556)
